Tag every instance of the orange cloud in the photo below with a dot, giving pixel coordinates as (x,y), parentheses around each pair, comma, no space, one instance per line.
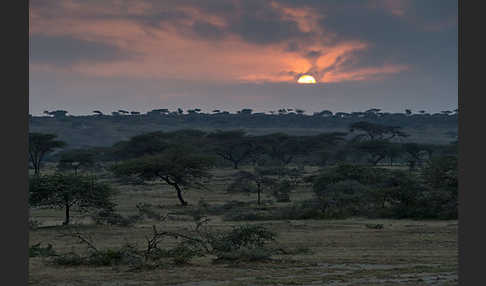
(168,51)
(362,73)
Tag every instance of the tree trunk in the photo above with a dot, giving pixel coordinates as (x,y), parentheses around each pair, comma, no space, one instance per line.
(66,219)
(179,195)
(36,165)
(235,165)
(259,190)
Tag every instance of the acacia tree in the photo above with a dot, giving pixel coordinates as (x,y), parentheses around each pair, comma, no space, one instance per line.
(41,144)
(75,159)
(68,190)
(376,149)
(256,180)
(178,167)
(299,111)
(282,148)
(232,146)
(377,131)
(414,152)
(393,151)
(144,144)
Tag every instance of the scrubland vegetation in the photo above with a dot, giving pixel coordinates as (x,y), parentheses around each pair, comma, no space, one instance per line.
(360,207)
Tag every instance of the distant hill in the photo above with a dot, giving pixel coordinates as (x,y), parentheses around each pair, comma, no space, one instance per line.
(104,130)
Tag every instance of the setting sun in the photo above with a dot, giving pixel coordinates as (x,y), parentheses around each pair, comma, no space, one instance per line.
(306,79)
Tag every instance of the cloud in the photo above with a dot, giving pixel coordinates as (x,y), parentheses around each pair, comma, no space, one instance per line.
(66,51)
(223,41)
(371,73)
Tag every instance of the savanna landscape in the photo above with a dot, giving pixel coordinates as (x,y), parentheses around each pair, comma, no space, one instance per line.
(190,207)
(243,142)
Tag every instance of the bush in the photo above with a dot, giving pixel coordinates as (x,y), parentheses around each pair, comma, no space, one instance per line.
(131,180)
(112,218)
(296,251)
(245,255)
(229,210)
(36,250)
(281,191)
(351,190)
(243,243)
(33,224)
(126,255)
(183,253)
(146,210)
(301,210)
(69,259)
(297,211)
(341,198)
(244,215)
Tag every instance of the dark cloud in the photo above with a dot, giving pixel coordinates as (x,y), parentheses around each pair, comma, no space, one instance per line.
(66,50)
(402,39)
(313,54)
(158,18)
(259,22)
(293,46)
(208,31)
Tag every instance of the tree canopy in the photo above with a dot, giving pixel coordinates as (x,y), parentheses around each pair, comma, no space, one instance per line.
(177,166)
(233,146)
(377,131)
(75,159)
(69,190)
(41,144)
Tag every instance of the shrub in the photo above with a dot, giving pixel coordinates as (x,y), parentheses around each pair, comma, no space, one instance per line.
(243,243)
(296,251)
(301,210)
(244,215)
(124,255)
(131,180)
(36,250)
(247,236)
(281,190)
(349,190)
(245,255)
(112,218)
(34,224)
(146,210)
(297,211)
(69,259)
(183,253)
(229,209)
(342,198)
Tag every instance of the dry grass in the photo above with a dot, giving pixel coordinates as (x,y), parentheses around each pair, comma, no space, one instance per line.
(342,252)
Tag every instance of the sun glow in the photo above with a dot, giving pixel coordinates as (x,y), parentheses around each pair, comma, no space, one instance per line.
(306,79)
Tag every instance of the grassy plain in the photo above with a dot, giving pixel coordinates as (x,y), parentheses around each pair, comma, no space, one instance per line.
(339,252)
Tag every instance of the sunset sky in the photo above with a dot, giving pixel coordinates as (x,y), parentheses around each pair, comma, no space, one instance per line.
(141,55)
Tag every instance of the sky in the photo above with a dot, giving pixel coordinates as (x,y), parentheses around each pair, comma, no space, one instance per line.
(88,55)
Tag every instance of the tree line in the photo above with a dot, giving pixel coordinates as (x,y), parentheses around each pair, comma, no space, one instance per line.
(183,160)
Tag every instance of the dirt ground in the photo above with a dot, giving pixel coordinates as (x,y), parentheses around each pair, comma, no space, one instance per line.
(340,252)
